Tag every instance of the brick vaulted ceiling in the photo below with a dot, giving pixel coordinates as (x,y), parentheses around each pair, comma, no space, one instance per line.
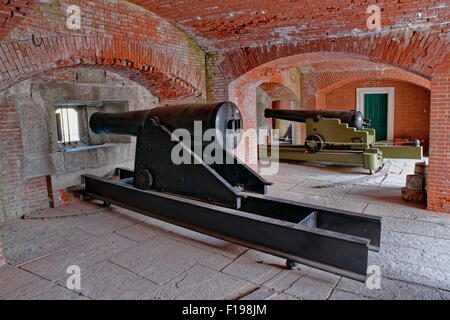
(252,33)
(229,24)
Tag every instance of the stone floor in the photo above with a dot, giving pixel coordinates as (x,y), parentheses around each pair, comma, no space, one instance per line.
(124,255)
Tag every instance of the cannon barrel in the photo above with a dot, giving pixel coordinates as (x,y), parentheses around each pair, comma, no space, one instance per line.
(352,118)
(218,116)
(125,123)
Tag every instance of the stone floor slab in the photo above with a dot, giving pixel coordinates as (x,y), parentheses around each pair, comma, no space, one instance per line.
(162,258)
(107,224)
(414,241)
(13,278)
(329,202)
(423,257)
(140,232)
(81,207)
(255,267)
(54,266)
(260,294)
(437,230)
(199,283)
(393,289)
(284,296)
(344,295)
(21,251)
(314,285)
(60,293)
(409,271)
(42,289)
(285,279)
(106,280)
(282,185)
(378,208)
(206,242)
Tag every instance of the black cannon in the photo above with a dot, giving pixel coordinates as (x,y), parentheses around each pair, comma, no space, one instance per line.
(224,118)
(354,119)
(154,167)
(226,199)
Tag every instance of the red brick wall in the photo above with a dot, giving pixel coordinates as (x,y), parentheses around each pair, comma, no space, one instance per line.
(59,198)
(36,193)
(18,195)
(282,105)
(118,35)
(439,165)
(247,149)
(411,106)
(69,75)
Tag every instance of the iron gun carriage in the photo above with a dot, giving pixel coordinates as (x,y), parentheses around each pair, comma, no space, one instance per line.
(226,200)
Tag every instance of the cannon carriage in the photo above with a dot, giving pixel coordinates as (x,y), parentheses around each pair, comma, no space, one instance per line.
(226,200)
(339,137)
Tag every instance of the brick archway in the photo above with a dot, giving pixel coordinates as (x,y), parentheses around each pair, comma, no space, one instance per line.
(414,51)
(241,88)
(409,99)
(168,78)
(434,77)
(328,83)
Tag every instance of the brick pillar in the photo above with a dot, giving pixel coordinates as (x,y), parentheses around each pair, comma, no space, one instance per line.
(439,165)
(17,195)
(244,96)
(11,151)
(216,83)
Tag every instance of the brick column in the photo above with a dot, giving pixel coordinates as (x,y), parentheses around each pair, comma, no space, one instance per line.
(11,203)
(216,83)
(439,165)
(17,195)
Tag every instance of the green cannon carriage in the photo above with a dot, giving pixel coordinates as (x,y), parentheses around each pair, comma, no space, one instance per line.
(339,137)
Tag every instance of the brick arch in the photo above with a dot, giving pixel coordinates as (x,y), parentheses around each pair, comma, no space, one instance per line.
(166,77)
(242,89)
(414,51)
(329,82)
(278,91)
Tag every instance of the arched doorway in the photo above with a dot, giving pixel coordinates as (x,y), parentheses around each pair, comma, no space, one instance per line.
(276,96)
(322,71)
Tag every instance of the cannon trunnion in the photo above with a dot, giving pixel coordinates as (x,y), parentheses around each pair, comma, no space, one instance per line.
(226,199)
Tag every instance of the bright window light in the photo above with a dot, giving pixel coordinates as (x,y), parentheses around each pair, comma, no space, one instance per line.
(67,125)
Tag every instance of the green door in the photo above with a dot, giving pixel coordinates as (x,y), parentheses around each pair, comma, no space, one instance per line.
(376,109)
